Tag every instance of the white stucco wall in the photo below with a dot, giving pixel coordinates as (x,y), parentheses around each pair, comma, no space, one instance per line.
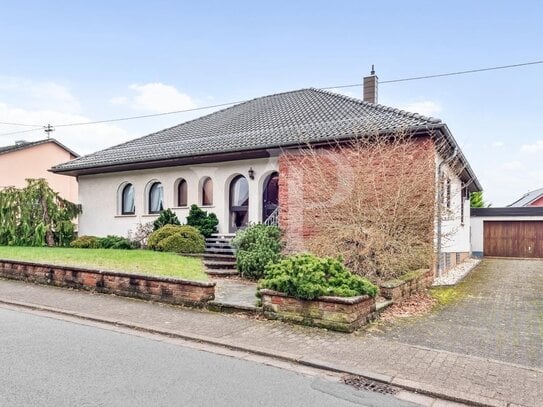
(477,228)
(455,228)
(99,194)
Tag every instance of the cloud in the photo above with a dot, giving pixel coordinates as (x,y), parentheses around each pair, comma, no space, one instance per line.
(512,166)
(498,144)
(425,107)
(38,95)
(82,139)
(536,147)
(155,97)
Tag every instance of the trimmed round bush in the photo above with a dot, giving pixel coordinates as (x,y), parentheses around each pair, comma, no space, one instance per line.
(178,239)
(306,276)
(160,234)
(183,242)
(256,246)
(86,242)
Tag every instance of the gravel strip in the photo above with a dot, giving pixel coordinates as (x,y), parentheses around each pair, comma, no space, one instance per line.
(456,274)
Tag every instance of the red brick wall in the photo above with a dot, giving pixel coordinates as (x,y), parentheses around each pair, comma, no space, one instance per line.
(162,289)
(296,196)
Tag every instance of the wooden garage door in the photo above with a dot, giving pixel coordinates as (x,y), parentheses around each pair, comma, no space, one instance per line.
(513,238)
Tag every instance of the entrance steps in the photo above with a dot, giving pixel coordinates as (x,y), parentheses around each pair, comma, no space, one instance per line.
(219,255)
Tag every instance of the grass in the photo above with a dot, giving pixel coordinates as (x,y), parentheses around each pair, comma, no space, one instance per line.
(129,261)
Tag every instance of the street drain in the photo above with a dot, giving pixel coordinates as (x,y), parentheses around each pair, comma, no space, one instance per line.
(361,383)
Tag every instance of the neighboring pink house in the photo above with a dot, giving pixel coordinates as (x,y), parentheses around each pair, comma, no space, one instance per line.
(24,160)
(532,198)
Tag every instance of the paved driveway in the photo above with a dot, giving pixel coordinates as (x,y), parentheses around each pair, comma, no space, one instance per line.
(498,314)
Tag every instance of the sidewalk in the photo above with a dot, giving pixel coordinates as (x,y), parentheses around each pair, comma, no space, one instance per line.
(443,374)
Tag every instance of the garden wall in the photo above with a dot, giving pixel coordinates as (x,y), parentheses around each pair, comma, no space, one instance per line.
(335,313)
(162,289)
(402,288)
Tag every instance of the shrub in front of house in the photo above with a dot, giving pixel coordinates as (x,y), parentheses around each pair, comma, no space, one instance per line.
(108,242)
(117,242)
(183,242)
(86,242)
(161,234)
(166,217)
(307,277)
(205,222)
(256,246)
(178,239)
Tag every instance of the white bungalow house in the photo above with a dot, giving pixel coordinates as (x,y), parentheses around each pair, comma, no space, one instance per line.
(228,162)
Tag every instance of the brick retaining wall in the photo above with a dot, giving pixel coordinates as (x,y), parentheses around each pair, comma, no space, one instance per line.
(398,290)
(162,289)
(335,313)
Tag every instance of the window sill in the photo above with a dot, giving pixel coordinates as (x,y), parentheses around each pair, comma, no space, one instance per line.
(207,206)
(150,215)
(181,207)
(132,215)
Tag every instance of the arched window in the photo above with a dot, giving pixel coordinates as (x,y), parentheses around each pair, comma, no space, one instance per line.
(156,198)
(239,203)
(207,192)
(182,193)
(128,206)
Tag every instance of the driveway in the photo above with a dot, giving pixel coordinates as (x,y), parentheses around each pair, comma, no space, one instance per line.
(497,314)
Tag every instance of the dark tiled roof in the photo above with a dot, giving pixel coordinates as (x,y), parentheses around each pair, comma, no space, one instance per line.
(528,198)
(301,116)
(25,144)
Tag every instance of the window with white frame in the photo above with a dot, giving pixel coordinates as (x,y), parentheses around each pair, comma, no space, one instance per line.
(156,198)
(128,206)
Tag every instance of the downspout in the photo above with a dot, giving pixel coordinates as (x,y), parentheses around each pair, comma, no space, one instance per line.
(439,205)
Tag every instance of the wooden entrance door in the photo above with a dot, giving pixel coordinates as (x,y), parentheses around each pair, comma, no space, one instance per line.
(513,238)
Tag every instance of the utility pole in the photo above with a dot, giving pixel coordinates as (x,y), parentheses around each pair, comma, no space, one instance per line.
(48,129)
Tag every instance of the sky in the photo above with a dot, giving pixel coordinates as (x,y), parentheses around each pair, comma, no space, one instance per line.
(74,61)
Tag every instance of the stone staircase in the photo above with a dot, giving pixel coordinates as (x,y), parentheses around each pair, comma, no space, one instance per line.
(219,257)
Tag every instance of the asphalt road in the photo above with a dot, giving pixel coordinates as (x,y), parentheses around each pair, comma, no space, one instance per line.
(50,362)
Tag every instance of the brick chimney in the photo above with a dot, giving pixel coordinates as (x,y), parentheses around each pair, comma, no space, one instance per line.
(370,87)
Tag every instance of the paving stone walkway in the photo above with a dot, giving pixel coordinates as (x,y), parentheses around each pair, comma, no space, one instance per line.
(235,291)
(498,314)
(457,375)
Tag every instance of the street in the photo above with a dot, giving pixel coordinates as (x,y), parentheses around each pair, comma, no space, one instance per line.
(50,362)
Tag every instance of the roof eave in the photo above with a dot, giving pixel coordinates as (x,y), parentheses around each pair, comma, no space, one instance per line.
(473,183)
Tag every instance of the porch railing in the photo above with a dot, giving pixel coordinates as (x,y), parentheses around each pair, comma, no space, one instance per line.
(273,219)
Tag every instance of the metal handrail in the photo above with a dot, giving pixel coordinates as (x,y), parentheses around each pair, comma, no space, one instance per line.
(273,219)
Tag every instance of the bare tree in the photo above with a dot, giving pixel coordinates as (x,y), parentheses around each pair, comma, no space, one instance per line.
(370,199)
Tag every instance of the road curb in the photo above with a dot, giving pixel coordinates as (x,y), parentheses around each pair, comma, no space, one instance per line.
(406,384)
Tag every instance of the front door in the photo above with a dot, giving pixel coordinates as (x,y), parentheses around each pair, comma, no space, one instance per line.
(239,203)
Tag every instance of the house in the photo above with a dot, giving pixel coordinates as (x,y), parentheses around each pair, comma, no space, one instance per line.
(532,198)
(24,160)
(232,162)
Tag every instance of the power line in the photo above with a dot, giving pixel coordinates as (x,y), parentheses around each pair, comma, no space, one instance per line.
(20,124)
(19,132)
(414,78)
(151,115)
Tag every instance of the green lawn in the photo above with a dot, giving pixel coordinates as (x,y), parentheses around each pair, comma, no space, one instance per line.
(130,261)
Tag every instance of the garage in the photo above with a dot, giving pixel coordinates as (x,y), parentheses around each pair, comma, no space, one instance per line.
(513,238)
(507,232)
